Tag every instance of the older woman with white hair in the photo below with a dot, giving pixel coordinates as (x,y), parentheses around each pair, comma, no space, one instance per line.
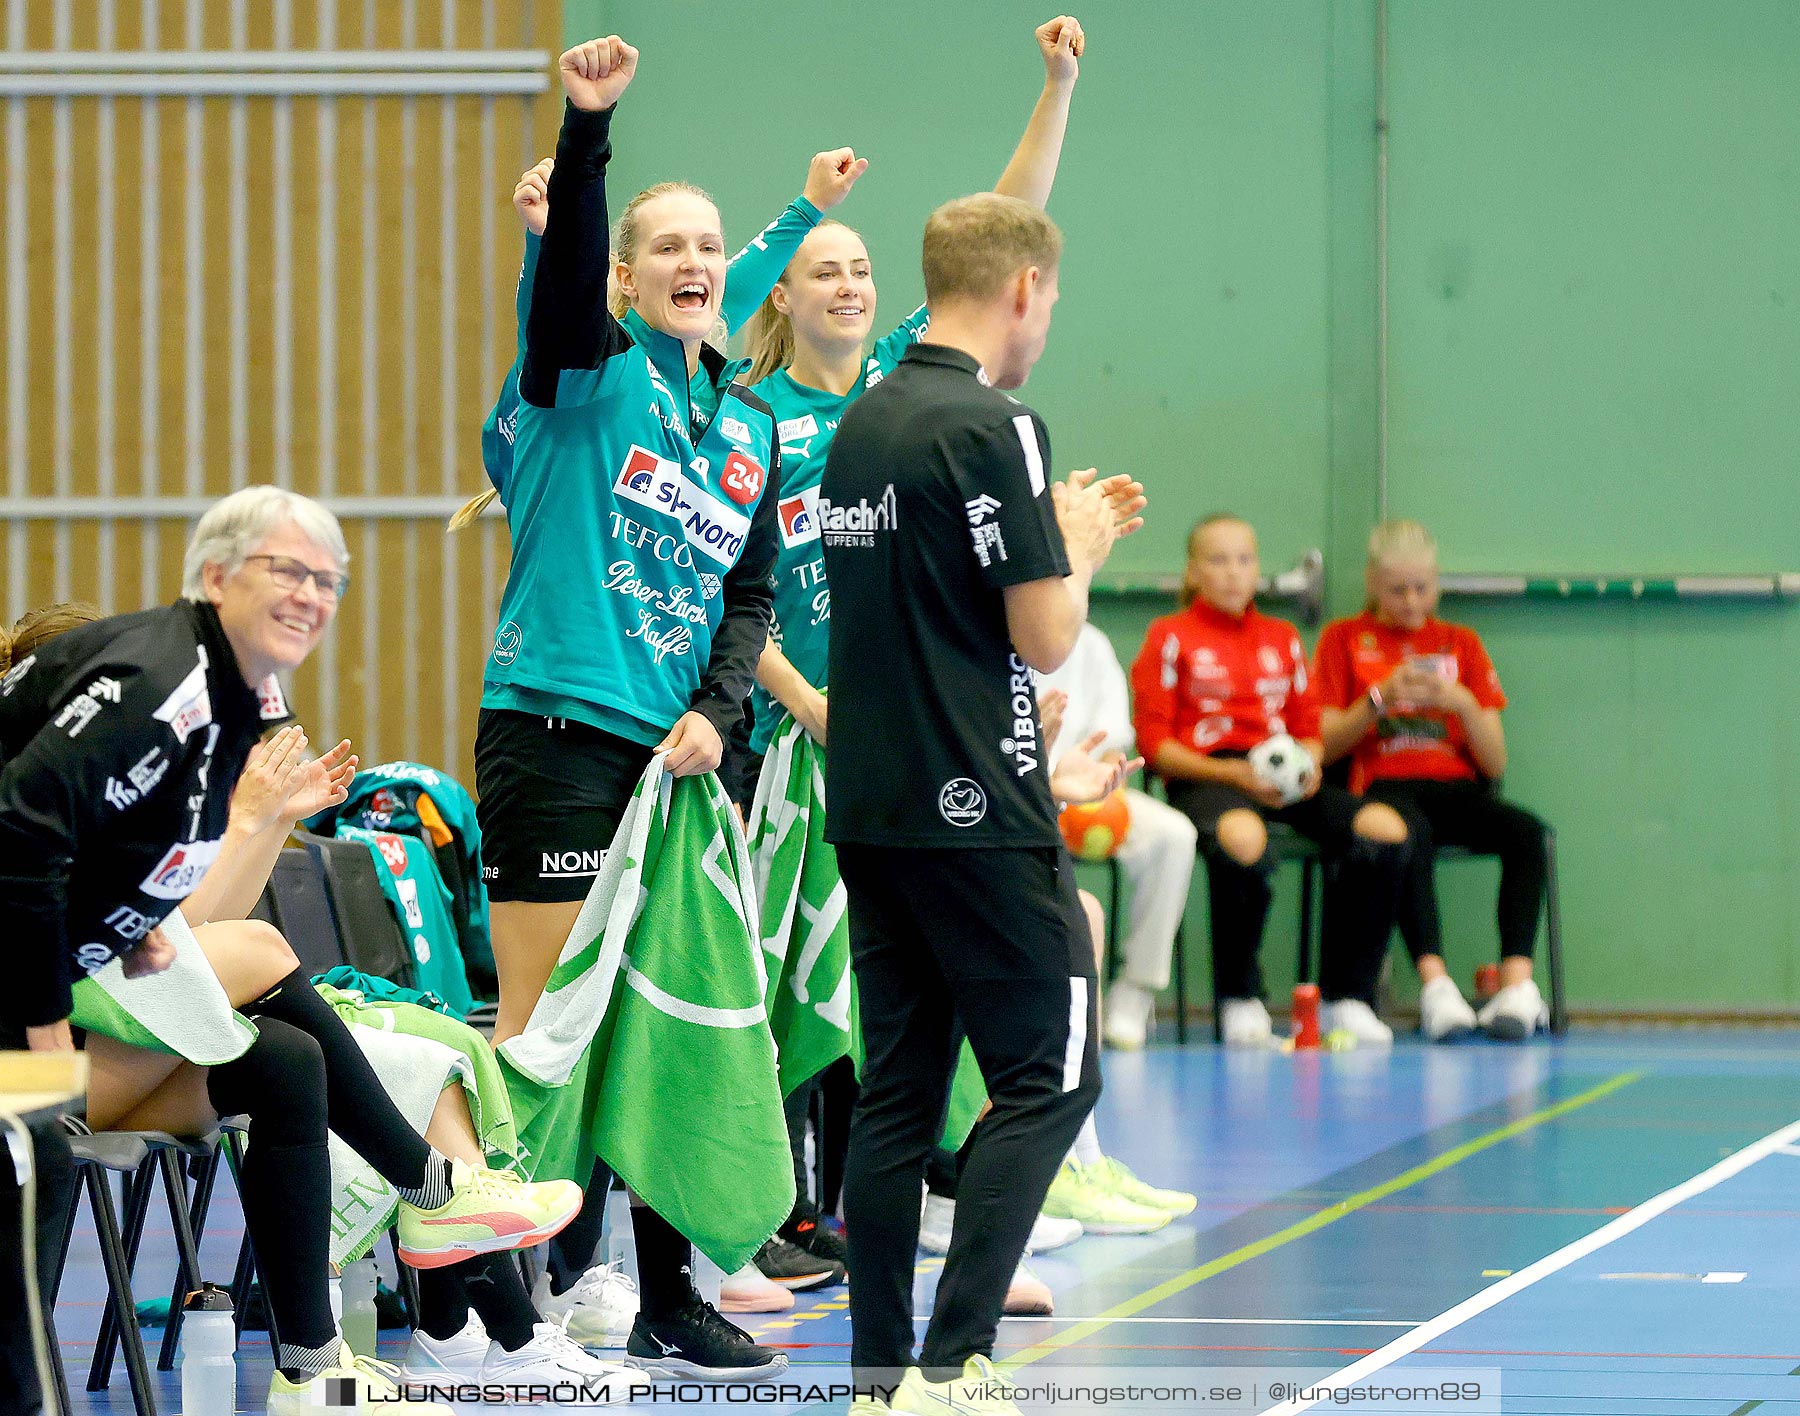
(121,742)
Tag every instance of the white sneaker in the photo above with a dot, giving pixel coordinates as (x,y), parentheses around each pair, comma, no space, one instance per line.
(1515,1012)
(460,1357)
(1028,1296)
(552,1359)
(1443,1012)
(750,1290)
(597,1312)
(1244,1022)
(1050,1232)
(1129,1010)
(934,1223)
(1357,1018)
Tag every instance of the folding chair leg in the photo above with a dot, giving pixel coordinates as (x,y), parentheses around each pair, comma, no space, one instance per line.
(187,1249)
(1309,876)
(119,1300)
(1112,925)
(137,1205)
(207,1175)
(59,1378)
(1181,987)
(407,1278)
(1559,1013)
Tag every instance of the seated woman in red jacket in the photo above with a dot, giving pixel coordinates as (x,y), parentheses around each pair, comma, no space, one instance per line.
(1415,703)
(1211,682)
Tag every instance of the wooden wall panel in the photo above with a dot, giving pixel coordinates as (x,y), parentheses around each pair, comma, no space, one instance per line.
(211,291)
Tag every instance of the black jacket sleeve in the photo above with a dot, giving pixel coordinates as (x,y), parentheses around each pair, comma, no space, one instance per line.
(56,797)
(570,326)
(749,592)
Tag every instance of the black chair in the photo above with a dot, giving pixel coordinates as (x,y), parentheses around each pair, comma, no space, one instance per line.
(366,925)
(1286,845)
(300,904)
(141,1159)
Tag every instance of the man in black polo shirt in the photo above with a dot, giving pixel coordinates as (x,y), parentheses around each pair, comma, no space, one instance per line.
(956,568)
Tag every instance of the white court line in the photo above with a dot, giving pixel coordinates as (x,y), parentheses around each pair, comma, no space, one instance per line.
(1543,1268)
(1224,1322)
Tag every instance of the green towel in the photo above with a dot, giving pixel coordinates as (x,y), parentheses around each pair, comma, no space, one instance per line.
(650,1047)
(806,929)
(182,1010)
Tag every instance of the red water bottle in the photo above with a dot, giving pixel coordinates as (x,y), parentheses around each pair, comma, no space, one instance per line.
(1306,1015)
(1487,982)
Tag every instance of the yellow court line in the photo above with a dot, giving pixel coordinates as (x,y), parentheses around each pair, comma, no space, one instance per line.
(1080,1332)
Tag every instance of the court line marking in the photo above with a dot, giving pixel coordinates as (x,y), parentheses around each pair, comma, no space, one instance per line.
(1498,1293)
(1315,1221)
(1226,1322)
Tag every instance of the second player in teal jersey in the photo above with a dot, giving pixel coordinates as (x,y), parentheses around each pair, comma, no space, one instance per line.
(809,359)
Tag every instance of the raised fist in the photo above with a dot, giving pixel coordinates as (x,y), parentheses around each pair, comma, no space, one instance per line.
(596,73)
(831,176)
(1061,41)
(531,198)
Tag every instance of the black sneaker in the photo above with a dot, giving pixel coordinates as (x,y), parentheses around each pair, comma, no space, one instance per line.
(805,1230)
(700,1345)
(794,1268)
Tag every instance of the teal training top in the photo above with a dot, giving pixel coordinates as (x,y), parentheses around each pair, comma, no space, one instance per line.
(643,528)
(806,418)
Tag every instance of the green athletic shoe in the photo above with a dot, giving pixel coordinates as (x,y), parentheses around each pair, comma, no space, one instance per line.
(488,1211)
(1076,1194)
(979,1391)
(1116,1176)
(358,1385)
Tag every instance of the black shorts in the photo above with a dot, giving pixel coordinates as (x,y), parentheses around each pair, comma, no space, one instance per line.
(1002,913)
(551,792)
(1327,817)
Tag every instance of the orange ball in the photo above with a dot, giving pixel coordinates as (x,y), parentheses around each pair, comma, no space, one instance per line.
(1094,830)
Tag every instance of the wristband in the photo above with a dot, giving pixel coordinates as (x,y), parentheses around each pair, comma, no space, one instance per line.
(1375,701)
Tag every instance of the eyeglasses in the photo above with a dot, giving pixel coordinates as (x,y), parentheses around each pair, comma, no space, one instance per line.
(291,574)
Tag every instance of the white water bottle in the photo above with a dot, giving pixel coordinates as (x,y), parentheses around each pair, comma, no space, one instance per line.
(359,1325)
(208,1353)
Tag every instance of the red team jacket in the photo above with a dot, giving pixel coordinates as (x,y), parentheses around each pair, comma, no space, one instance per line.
(1214,682)
(1356,653)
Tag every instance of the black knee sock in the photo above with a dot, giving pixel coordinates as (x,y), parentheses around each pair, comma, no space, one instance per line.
(443,1301)
(665,1265)
(488,1283)
(497,1294)
(362,1112)
(572,1251)
(285,1185)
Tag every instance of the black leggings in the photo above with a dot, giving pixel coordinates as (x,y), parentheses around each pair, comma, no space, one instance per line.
(1362,884)
(285,1184)
(1469,815)
(360,1109)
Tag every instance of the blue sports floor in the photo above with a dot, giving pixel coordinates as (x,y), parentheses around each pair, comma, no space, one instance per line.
(1434,1215)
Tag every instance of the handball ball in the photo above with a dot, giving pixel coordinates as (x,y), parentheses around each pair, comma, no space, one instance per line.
(1095,829)
(1283,764)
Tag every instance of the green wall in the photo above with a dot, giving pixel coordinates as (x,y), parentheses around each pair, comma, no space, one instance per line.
(1594,351)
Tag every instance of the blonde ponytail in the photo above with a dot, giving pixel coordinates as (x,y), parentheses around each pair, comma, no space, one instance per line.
(470,510)
(769,337)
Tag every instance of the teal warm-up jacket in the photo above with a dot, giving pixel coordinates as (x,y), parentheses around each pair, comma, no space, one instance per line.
(641,504)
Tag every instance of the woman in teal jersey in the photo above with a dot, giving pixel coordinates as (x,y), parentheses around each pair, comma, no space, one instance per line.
(749,274)
(637,601)
(807,360)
